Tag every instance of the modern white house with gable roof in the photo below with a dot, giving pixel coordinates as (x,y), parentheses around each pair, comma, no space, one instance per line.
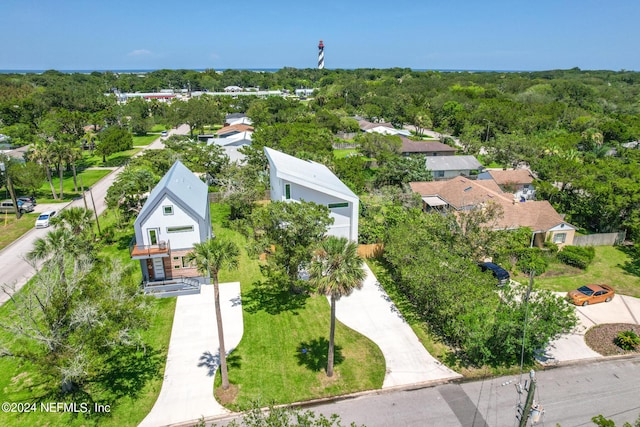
(295,180)
(174,217)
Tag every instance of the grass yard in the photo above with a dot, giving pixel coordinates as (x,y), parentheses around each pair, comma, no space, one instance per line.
(88,177)
(130,393)
(341,153)
(611,265)
(144,140)
(269,365)
(11,228)
(117,159)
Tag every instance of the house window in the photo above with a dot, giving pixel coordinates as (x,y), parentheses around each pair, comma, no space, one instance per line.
(186,263)
(559,237)
(438,174)
(338,205)
(180,229)
(167,210)
(287,191)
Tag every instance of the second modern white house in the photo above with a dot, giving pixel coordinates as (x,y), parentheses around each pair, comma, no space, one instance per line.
(293,180)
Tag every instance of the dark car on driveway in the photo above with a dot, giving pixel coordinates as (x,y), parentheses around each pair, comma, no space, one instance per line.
(498,272)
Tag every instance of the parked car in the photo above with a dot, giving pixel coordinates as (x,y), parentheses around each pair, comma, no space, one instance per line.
(6,206)
(164,133)
(27,199)
(498,272)
(43,219)
(591,294)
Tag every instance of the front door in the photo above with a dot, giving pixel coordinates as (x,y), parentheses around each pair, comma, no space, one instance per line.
(153,235)
(158,269)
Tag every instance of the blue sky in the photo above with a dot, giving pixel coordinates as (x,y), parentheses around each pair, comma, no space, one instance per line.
(419,34)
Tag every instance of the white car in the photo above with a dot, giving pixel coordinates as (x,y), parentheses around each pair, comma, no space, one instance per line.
(43,219)
(164,133)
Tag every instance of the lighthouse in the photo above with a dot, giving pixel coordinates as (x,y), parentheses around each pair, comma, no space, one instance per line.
(320,55)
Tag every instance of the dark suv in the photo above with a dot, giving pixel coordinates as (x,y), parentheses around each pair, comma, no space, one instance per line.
(498,272)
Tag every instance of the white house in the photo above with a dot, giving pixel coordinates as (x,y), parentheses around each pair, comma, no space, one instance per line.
(232,144)
(293,179)
(174,217)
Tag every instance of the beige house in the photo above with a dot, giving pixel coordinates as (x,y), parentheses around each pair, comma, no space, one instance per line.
(460,194)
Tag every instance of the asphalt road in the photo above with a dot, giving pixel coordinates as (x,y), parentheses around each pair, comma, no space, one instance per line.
(570,395)
(15,271)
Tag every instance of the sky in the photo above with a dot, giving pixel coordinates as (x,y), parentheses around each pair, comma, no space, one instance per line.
(513,35)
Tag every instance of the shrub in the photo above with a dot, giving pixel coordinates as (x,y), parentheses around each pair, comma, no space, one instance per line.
(627,340)
(577,256)
(532,259)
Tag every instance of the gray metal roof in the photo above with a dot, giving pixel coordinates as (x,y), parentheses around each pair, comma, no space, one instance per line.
(184,187)
(445,163)
(307,173)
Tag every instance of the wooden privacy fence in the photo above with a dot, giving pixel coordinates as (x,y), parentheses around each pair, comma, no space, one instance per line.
(600,239)
(370,251)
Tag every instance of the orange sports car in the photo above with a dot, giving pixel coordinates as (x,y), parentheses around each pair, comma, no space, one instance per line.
(591,294)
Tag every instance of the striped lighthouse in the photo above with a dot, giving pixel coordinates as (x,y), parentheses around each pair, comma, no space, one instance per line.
(320,55)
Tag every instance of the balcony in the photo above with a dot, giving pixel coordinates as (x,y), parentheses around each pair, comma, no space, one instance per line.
(162,249)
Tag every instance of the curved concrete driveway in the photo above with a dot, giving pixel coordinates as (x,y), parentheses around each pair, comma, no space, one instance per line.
(371,312)
(187,389)
(572,347)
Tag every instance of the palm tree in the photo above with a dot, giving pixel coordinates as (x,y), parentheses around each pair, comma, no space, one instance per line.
(41,153)
(335,271)
(77,220)
(211,257)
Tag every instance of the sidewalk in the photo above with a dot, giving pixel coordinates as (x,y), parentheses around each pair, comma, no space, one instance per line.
(371,312)
(187,390)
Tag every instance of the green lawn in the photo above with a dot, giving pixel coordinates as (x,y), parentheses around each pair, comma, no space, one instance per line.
(88,177)
(11,228)
(610,266)
(21,382)
(269,364)
(144,140)
(117,159)
(344,152)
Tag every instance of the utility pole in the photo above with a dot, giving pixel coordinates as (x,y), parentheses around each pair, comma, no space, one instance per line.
(95,212)
(531,409)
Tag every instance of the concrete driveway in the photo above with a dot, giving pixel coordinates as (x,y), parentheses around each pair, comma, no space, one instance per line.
(371,312)
(192,360)
(572,347)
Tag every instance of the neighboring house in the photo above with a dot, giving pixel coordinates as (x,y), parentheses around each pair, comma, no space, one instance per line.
(295,180)
(304,92)
(239,121)
(366,125)
(425,148)
(447,167)
(462,194)
(382,128)
(17,154)
(516,181)
(233,129)
(232,143)
(459,193)
(233,89)
(174,218)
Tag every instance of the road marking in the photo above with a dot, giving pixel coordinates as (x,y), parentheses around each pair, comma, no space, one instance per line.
(630,312)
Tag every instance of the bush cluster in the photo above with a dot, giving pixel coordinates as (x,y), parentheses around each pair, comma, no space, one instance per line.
(577,256)
(627,340)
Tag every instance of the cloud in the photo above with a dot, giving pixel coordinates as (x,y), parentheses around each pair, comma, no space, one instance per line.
(139,52)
